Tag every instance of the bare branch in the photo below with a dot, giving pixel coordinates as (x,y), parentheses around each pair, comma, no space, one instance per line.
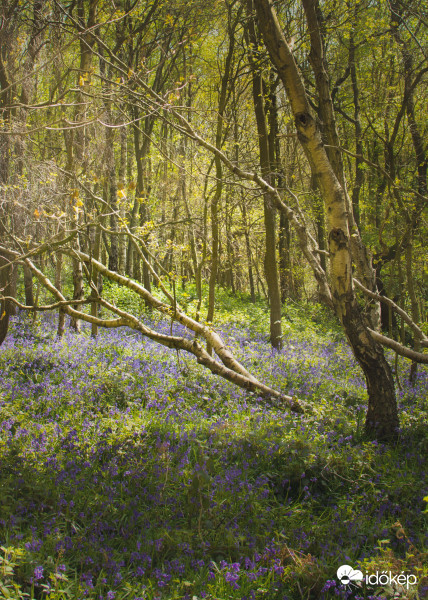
(46,307)
(419,333)
(399,349)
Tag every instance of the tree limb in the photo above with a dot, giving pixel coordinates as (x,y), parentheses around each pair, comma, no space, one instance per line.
(406,318)
(398,348)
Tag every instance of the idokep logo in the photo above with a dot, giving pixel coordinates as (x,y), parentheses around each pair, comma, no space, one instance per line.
(349,576)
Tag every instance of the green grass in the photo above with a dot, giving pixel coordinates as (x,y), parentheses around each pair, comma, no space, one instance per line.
(127,472)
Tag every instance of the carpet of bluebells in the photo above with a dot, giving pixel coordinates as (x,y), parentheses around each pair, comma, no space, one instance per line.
(127,471)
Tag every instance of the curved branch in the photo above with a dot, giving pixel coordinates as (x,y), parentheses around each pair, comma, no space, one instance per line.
(418,332)
(398,348)
(306,241)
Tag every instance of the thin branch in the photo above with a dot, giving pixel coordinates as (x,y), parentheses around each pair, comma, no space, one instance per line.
(46,307)
(399,349)
(419,333)
(39,249)
(384,173)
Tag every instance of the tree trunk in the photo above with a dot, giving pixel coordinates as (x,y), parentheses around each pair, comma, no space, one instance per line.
(421,162)
(318,210)
(28,286)
(96,278)
(58,285)
(270,262)
(219,188)
(413,303)
(6,270)
(12,290)
(285,269)
(111,195)
(248,248)
(139,214)
(5,290)
(121,187)
(382,418)
(359,173)
(329,134)
(78,291)
(77,143)
(229,275)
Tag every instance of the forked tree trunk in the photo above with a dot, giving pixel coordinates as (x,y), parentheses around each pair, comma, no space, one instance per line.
(382,418)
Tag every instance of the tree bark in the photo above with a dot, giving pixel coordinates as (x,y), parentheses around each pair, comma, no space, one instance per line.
(139,214)
(77,139)
(58,285)
(95,277)
(28,286)
(328,133)
(229,368)
(270,262)
(111,194)
(6,270)
(215,240)
(5,289)
(121,187)
(359,174)
(413,303)
(382,417)
(78,290)
(248,248)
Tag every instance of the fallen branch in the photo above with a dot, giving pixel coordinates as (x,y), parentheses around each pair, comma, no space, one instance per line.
(229,369)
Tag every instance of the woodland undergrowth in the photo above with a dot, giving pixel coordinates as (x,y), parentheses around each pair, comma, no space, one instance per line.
(127,471)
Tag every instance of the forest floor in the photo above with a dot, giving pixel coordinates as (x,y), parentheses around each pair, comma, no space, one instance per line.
(127,471)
